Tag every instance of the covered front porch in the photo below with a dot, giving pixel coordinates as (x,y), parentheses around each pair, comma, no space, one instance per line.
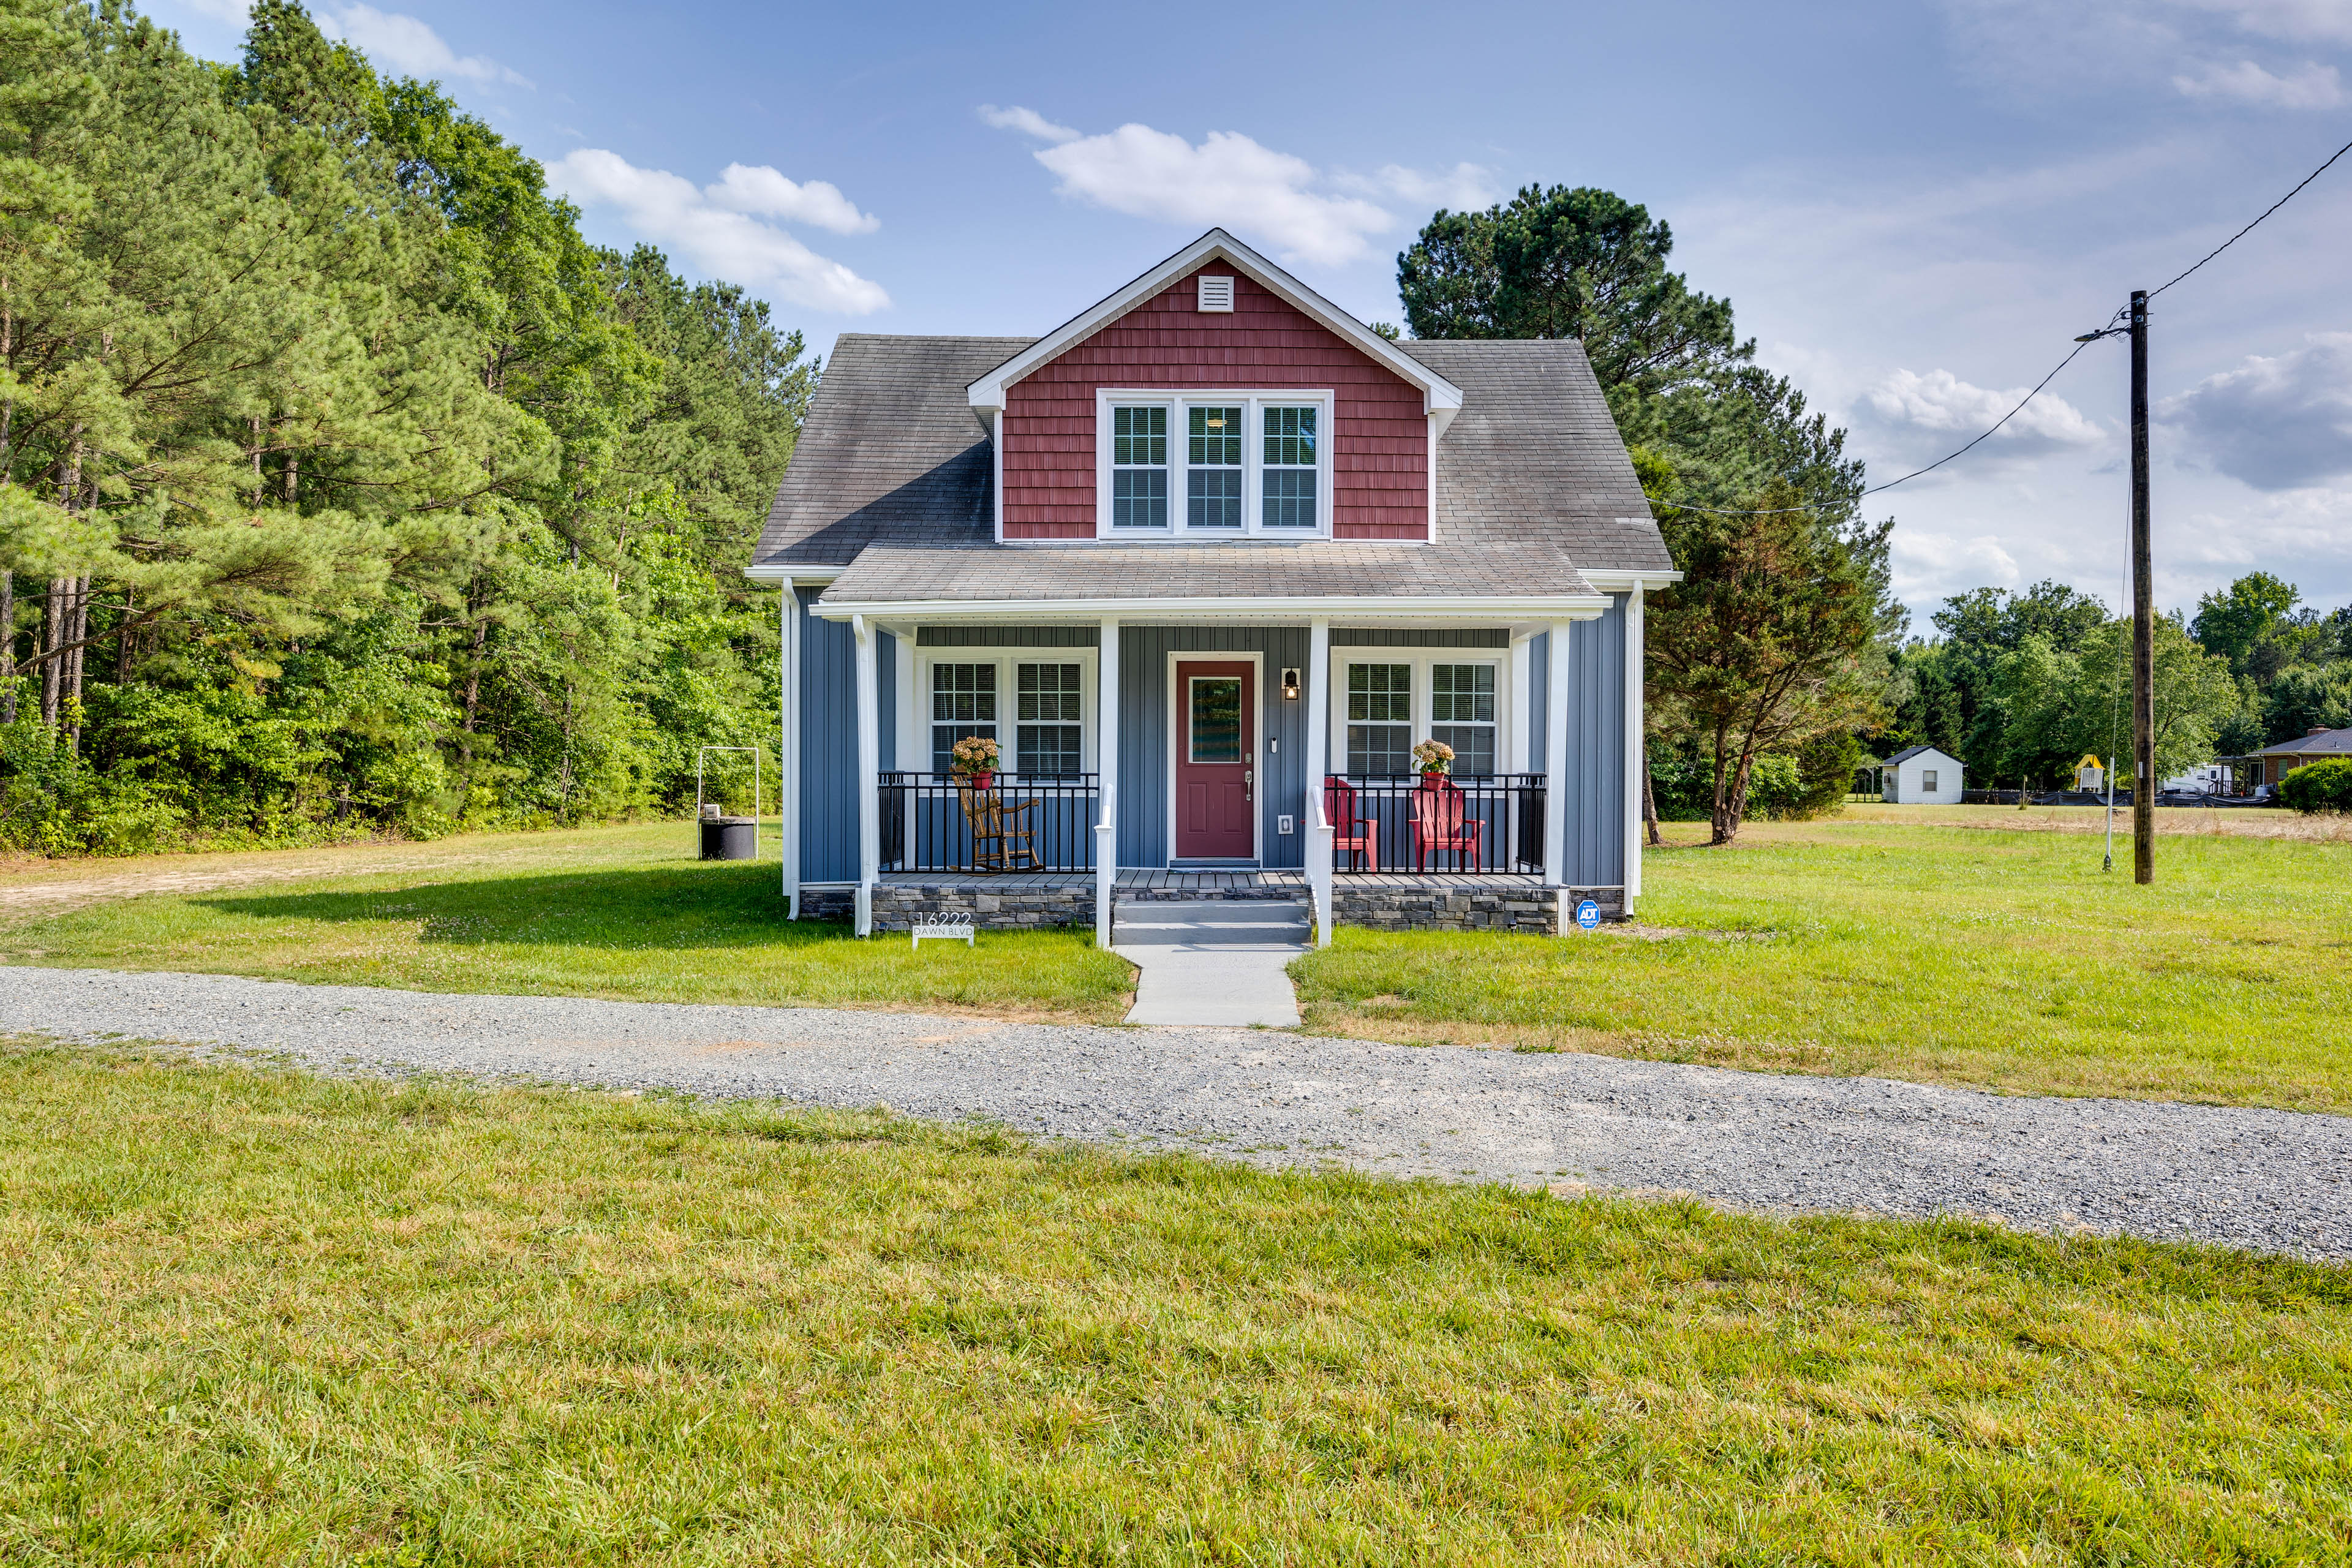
(1240,754)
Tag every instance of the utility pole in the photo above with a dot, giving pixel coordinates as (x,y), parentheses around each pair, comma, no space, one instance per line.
(2143,612)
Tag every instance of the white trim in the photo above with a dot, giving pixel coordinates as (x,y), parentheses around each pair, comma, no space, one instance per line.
(1268,610)
(1634,654)
(788,784)
(1609,581)
(1319,834)
(1008,696)
(996,458)
(1438,394)
(804,576)
(1556,774)
(1107,782)
(1253,403)
(1429,479)
(1507,740)
(1523,720)
(1257,742)
(869,759)
(913,738)
(1214,295)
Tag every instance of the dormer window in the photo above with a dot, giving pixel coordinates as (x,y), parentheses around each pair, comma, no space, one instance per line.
(1233,463)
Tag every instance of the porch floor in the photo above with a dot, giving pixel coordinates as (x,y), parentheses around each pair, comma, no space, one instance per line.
(1137,880)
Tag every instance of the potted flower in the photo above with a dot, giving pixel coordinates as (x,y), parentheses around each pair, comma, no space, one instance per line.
(973,761)
(1435,759)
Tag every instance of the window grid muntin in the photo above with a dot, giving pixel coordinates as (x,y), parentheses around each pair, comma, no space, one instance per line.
(1290,467)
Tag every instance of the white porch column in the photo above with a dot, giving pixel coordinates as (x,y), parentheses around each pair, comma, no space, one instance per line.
(1106,780)
(1632,747)
(869,767)
(1555,776)
(788,752)
(1318,743)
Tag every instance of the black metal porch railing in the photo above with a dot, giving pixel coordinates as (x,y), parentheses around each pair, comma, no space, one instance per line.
(939,822)
(1400,825)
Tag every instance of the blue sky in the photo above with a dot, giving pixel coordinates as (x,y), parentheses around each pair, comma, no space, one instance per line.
(1912,207)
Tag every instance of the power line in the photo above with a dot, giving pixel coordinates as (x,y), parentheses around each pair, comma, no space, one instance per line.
(2266,212)
(2081,342)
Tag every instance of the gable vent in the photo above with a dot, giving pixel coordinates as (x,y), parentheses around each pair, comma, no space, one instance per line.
(1216,293)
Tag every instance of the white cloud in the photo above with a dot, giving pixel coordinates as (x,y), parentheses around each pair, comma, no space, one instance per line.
(724,242)
(1027,122)
(403,44)
(1233,182)
(2310,87)
(1941,405)
(2276,423)
(1926,563)
(2302,21)
(764,192)
(1466,187)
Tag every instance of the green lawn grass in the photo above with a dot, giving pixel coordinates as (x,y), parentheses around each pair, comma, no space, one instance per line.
(257,1317)
(622,912)
(1943,953)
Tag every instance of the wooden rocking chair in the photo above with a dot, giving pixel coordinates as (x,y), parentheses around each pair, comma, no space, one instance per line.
(1001,834)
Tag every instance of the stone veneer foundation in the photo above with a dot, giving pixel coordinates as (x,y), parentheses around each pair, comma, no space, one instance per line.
(1533,910)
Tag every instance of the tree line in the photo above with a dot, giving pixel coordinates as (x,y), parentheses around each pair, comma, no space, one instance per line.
(2022,686)
(344,487)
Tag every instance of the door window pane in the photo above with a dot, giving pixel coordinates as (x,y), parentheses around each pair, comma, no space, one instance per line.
(1290,469)
(963,702)
(1215,724)
(1047,732)
(1138,479)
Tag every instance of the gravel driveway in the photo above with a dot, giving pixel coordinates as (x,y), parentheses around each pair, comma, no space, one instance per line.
(2268,1180)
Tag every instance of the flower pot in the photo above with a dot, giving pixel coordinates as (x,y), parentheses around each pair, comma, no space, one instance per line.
(1433,781)
(981,778)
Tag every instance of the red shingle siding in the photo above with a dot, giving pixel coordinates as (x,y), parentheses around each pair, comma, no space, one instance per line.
(1380,438)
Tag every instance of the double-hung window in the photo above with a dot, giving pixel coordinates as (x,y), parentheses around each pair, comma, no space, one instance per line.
(1290,468)
(1379,719)
(963,703)
(1462,714)
(1213,468)
(1213,464)
(1139,472)
(1047,728)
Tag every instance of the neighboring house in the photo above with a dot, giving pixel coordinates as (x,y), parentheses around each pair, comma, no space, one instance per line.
(1206,562)
(1922,775)
(2317,745)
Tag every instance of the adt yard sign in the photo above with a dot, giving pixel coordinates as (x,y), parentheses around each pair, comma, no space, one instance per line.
(1588,914)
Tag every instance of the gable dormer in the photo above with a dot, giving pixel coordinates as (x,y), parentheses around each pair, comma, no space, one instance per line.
(1214,398)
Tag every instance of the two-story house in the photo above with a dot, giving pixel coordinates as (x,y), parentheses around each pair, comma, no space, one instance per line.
(1206,564)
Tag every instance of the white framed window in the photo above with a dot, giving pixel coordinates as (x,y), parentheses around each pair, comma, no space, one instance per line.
(1927,780)
(1036,704)
(1387,699)
(1213,464)
(1138,466)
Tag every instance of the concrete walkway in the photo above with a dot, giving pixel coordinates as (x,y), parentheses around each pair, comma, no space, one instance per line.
(1211,964)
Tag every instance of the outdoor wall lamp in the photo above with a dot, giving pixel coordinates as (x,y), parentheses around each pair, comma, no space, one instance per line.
(1290,685)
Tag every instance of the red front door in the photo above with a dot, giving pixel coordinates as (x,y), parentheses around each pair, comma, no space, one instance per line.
(1216,760)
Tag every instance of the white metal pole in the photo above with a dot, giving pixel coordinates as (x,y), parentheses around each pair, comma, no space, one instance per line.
(869,752)
(1556,777)
(1107,781)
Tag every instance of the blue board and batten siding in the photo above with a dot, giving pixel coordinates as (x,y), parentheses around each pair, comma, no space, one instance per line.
(828,753)
(1144,681)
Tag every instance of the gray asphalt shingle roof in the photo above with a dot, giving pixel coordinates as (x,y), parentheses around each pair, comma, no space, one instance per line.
(892,479)
(2328,742)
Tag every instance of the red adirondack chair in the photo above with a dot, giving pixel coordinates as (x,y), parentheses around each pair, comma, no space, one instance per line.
(1346,833)
(1438,827)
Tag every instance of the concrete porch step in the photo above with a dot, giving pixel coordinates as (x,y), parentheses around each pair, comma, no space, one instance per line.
(1211,922)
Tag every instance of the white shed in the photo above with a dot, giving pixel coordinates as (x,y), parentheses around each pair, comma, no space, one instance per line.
(1922,775)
